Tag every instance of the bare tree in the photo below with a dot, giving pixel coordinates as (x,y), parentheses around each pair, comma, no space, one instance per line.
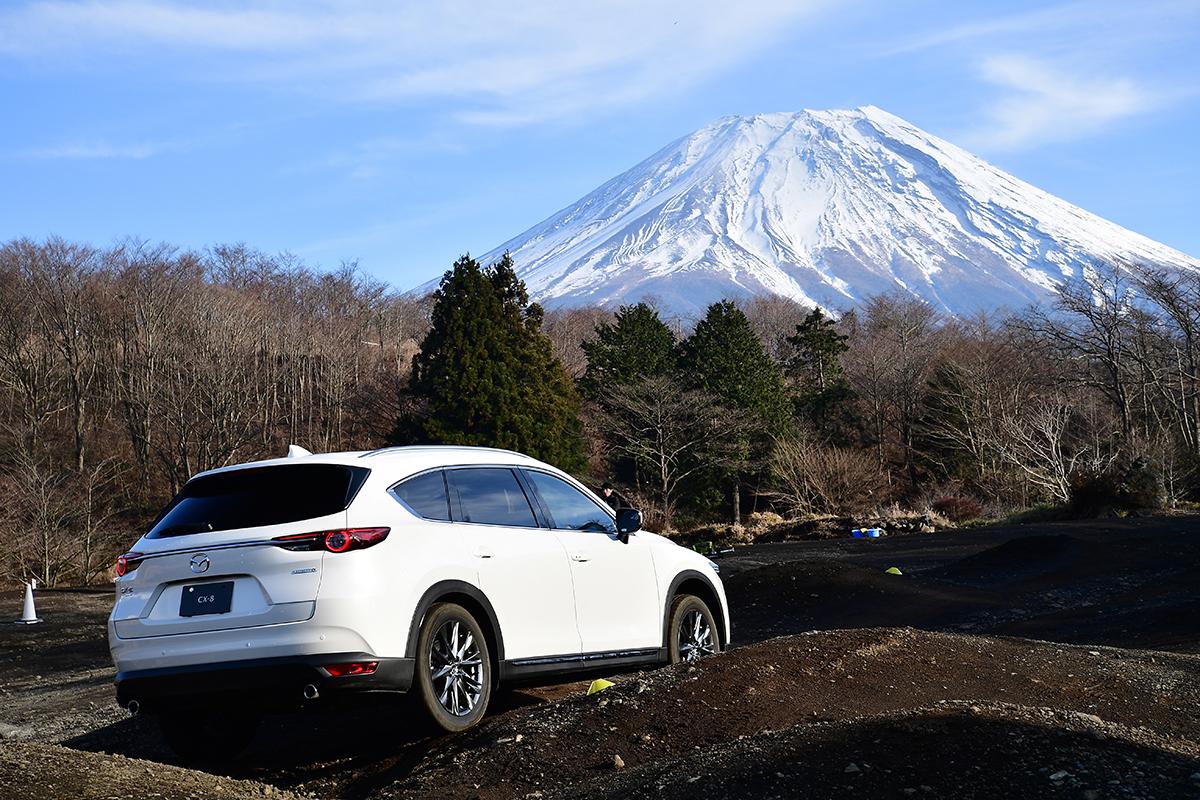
(895,346)
(670,433)
(568,329)
(40,512)
(1051,440)
(1177,293)
(774,319)
(1088,329)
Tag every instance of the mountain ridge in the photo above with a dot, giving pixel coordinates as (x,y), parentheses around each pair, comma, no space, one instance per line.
(828,208)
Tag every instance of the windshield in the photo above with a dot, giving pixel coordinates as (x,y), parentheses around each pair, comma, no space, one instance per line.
(249,498)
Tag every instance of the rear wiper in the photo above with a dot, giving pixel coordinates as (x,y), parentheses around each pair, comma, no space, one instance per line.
(182,528)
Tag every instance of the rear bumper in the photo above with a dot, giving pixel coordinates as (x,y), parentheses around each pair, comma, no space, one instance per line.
(261,682)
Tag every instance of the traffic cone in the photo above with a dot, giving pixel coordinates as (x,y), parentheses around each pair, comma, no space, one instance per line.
(29,614)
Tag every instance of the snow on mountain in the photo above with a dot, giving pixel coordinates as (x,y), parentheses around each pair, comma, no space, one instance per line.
(825,207)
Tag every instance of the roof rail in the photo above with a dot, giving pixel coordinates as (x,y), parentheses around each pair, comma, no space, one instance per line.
(441,447)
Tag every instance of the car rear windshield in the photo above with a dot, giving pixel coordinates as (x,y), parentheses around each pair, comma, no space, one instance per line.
(248,498)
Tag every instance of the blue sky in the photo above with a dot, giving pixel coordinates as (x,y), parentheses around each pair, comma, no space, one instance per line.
(401,135)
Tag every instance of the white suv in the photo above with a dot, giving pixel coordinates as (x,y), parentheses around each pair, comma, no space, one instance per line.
(439,569)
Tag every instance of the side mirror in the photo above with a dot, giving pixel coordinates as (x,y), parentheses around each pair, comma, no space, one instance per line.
(629,520)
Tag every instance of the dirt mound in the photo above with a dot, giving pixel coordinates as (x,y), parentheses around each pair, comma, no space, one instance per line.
(992,751)
(835,676)
(30,771)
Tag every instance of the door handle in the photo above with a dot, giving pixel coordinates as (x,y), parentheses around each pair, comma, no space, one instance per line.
(581,557)
(483,552)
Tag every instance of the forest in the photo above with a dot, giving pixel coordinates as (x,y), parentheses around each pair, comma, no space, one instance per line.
(125,370)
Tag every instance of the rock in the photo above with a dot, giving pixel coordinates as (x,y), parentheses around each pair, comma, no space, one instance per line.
(618,762)
(851,767)
(8,731)
(1091,794)
(1060,775)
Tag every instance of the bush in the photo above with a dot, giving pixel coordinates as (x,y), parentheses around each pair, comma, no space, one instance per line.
(958,508)
(1134,486)
(813,478)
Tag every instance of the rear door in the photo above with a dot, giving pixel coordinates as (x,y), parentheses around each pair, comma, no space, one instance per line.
(523,569)
(616,594)
(210,562)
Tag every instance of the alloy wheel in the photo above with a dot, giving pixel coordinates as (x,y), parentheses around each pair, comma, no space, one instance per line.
(456,668)
(695,636)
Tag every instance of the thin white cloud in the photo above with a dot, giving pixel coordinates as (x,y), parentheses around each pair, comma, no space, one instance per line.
(100,150)
(1097,63)
(1041,103)
(1066,27)
(511,62)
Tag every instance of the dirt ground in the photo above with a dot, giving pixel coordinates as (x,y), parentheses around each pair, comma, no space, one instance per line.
(1057,660)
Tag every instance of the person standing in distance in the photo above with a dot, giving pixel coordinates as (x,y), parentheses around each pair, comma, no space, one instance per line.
(614,498)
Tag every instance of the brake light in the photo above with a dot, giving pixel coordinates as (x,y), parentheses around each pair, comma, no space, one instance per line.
(351,668)
(127,562)
(338,541)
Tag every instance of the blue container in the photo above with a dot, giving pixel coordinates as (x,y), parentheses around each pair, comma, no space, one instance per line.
(866,533)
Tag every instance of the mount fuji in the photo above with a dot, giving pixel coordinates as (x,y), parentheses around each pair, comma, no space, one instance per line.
(825,207)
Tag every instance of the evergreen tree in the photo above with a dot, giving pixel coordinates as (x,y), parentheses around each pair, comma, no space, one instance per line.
(635,345)
(816,352)
(822,391)
(486,375)
(725,358)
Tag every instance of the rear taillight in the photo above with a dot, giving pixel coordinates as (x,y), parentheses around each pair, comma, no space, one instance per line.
(128,562)
(351,668)
(338,541)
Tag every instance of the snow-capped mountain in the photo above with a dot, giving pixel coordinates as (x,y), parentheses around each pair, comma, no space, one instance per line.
(825,207)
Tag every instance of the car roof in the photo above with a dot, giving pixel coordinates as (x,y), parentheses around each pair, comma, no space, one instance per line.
(400,460)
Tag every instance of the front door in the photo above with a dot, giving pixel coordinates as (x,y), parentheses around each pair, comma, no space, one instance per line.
(616,591)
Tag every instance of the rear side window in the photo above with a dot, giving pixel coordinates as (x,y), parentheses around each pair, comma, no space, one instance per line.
(491,496)
(569,508)
(249,498)
(426,495)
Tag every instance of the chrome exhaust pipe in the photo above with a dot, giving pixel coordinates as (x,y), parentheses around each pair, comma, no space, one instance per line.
(310,692)
(133,707)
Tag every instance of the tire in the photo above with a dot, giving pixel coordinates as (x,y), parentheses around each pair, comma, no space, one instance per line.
(693,633)
(208,736)
(454,680)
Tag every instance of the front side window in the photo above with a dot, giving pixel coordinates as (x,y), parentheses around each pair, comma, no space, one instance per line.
(491,496)
(425,495)
(569,508)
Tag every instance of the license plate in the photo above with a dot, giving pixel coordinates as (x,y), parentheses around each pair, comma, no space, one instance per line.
(206,598)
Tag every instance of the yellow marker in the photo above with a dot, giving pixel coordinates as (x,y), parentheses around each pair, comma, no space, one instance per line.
(893,571)
(599,685)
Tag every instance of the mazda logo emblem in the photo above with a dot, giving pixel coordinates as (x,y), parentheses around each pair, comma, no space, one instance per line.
(199,563)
